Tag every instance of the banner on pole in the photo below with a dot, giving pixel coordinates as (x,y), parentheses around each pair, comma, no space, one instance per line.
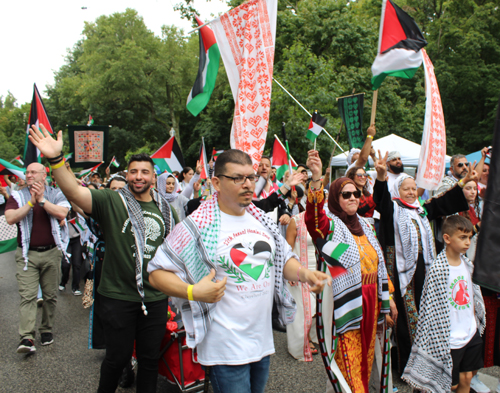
(351,113)
(88,144)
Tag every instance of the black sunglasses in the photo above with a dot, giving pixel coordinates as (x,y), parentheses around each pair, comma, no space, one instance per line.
(461,164)
(348,194)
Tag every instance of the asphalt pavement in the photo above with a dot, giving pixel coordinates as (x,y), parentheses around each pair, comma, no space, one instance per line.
(67,366)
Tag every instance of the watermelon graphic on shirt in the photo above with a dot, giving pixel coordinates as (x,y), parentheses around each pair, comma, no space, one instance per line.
(251,259)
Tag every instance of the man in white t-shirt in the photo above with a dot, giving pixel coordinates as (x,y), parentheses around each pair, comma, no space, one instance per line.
(223,266)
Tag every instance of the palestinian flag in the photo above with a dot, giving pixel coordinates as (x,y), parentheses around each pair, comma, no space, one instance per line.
(38,115)
(114,162)
(216,153)
(279,158)
(90,122)
(331,252)
(400,42)
(207,72)
(68,156)
(315,126)
(19,160)
(6,168)
(89,170)
(203,160)
(169,157)
(76,224)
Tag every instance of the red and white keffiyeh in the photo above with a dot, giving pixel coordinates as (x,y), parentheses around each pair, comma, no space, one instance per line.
(431,163)
(246,37)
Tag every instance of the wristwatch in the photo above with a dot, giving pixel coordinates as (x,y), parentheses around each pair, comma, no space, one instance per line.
(42,202)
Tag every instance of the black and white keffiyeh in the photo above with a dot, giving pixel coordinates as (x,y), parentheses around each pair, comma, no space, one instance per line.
(406,236)
(61,237)
(137,220)
(430,364)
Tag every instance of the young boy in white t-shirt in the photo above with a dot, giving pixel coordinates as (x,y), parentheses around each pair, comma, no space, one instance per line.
(448,348)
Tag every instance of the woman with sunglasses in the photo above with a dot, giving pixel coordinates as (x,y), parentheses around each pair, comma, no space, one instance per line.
(366,205)
(408,243)
(361,293)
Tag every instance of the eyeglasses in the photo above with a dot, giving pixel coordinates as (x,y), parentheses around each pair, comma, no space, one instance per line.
(241,179)
(361,175)
(348,194)
(461,164)
(33,172)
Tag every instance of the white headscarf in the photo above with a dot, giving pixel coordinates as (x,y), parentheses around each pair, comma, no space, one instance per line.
(406,236)
(351,153)
(162,187)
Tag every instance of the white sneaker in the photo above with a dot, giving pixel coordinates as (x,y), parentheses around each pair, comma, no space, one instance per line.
(478,386)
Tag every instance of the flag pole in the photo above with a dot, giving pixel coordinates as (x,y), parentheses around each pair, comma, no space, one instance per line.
(374,107)
(305,110)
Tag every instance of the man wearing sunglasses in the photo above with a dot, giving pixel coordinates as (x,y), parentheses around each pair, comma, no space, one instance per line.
(223,266)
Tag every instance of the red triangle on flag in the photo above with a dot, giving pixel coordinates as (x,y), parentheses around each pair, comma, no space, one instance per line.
(392,31)
(166,150)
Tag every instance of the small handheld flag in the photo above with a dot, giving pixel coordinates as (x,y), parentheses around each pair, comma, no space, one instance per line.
(89,170)
(91,121)
(114,163)
(315,126)
(18,159)
(216,153)
(331,252)
(279,158)
(203,160)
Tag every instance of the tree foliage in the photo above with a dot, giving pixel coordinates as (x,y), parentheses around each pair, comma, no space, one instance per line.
(127,77)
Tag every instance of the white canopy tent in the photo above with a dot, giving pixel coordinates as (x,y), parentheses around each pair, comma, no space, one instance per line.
(410,151)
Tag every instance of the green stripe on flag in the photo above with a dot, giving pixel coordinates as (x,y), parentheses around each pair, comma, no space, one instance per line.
(8,245)
(311,135)
(405,74)
(199,102)
(339,250)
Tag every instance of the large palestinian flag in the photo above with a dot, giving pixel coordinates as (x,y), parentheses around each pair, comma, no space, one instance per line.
(207,72)
(280,159)
(169,157)
(38,115)
(6,168)
(400,42)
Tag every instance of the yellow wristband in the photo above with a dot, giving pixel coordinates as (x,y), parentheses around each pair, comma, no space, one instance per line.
(190,293)
(58,165)
(370,136)
(31,205)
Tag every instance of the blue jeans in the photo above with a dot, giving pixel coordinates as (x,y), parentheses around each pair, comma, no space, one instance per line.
(246,378)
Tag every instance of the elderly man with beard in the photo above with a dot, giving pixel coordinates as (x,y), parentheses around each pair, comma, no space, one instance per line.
(134,221)
(37,210)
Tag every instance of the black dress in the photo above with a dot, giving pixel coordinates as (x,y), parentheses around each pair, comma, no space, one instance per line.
(408,306)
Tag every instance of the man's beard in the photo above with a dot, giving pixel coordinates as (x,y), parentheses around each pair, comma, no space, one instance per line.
(397,169)
(146,188)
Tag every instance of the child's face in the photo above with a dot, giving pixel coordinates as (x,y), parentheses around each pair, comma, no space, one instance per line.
(459,241)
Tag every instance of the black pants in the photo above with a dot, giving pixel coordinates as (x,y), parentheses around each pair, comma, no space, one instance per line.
(123,323)
(76,259)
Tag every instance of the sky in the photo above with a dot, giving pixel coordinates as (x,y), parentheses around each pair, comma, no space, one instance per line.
(35,35)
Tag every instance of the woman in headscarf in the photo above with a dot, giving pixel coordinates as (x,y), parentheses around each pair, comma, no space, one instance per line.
(408,242)
(366,205)
(348,243)
(168,187)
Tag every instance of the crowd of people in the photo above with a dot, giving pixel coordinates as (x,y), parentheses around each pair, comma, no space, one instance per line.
(241,253)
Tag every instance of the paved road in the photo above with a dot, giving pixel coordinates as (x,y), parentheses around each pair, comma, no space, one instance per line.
(67,366)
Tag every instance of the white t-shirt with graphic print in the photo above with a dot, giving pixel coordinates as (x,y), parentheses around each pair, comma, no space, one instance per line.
(461,302)
(241,329)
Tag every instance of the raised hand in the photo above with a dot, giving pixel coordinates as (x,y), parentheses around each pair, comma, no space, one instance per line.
(295,179)
(381,166)
(471,174)
(47,145)
(208,291)
(199,167)
(314,164)
(371,131)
